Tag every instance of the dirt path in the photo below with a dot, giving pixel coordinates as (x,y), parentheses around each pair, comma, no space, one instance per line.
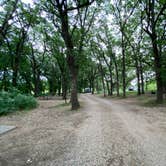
(104,132)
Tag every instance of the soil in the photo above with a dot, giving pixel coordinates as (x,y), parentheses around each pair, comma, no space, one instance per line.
(104,132)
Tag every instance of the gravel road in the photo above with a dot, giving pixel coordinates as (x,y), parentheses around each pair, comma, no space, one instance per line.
(103,133)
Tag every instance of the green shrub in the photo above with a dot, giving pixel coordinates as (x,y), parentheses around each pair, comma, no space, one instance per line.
(25,102)
(13,100)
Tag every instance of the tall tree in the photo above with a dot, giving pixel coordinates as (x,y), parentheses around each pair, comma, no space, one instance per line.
(153,17)
(62,12)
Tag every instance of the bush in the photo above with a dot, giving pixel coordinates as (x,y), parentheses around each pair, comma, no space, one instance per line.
(25,102)
(13,100)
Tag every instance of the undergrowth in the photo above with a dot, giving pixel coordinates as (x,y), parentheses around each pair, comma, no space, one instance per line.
(13,100)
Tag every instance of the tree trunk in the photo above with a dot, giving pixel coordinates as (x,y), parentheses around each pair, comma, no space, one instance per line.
(142,78)
(117,77)
(37,84)
(93,86)
(158,66)
(108,88)
(152,22)
(123,67)
(111,85)
(74,97)
(71,58)
(64,87)
(15,73)
(4,81)
(73,67)
(138,76)
(103,83)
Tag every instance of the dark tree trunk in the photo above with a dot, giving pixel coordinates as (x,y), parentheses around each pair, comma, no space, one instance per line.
(108,88)
(4,81)
(103,83)
(59,86)
(97,86)
(138,76)
(28,87)
(64,87)
(16,65)
(142,78)
(50,82)
(158,67)
(37,82)
(112,86)
(123,67)
(93,86)
(17,58)
(117,77)
(157,57)
(15,73)
(74,97)
(71,57)
(152,23)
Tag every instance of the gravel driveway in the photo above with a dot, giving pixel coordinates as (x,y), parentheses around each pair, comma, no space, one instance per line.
(104,132)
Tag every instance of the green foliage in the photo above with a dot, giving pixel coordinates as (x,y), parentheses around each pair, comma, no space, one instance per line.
(13,100)
(7,104)
(25,102)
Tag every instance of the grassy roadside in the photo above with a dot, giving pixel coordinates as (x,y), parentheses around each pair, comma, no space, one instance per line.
(147,99)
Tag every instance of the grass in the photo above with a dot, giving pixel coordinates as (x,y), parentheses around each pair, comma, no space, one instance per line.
(151,102)
(147,100)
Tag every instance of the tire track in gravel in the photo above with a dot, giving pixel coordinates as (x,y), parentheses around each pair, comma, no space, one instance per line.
(101,140)
(115,135)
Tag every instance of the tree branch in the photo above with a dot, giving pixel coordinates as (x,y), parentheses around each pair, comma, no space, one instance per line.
(80,5)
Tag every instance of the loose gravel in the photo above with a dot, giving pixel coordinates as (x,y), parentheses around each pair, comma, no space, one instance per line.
(102,133)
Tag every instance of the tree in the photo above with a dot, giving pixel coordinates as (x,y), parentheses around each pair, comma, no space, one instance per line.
(10,7)
(62,12)
(154,12)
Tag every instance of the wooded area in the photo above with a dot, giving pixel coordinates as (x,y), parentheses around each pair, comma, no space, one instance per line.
(61,47)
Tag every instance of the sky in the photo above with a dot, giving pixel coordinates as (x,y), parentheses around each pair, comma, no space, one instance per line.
(27,1)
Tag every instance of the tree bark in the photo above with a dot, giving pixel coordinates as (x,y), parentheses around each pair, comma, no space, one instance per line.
(142,78)
(64,87)
(138,76)
(108,88)
(74,97)
(152,23)
(117,77)
(158,67)
(71,58)
(123,67)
